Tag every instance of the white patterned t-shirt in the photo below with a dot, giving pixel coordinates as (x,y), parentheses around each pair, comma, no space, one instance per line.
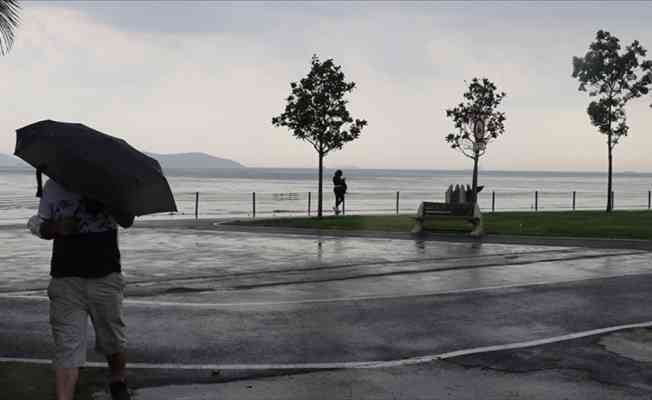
(57,202)
(93,251)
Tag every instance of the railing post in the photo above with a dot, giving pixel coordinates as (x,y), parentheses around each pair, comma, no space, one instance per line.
(196,205)
(613,197)
(253,201)
(536,200)
(573,200)
(308,203)
(397,195)
(649,199)
(493,202)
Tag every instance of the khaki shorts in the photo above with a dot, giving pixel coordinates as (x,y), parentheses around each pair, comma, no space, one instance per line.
(72,301)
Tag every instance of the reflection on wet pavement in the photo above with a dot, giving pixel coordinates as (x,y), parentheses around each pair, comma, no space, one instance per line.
(215,296)
(148,254)
(213,265)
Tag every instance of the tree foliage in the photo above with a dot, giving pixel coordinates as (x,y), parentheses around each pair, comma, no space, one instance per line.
(8,23)
(476,120)
(316,112)
(316,109)
(614,78)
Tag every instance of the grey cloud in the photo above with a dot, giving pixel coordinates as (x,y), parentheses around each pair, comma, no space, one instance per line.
(134,66)
(259,16)
(207,16)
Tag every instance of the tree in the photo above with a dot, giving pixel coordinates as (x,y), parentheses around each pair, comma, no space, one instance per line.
(316,112)
(477,123)
(8,23)
(615,79)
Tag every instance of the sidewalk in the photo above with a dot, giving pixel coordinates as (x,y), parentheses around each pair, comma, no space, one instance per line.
(416,304)
(614,366)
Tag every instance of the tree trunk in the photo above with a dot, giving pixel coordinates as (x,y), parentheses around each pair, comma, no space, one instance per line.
(321,181)
(609,174)
(475,177)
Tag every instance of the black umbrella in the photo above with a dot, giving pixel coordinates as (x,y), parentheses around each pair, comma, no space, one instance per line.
(100,166)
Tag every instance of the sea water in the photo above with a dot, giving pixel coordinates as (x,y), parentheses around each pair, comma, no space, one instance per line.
(265,192)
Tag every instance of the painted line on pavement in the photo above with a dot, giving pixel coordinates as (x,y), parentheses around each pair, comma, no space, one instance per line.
(337,299)
(357,364)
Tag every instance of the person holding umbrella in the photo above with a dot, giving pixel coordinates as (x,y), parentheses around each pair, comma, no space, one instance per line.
(86,282)
(97,182)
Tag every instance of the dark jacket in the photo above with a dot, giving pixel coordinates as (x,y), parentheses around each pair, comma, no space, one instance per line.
(339,184)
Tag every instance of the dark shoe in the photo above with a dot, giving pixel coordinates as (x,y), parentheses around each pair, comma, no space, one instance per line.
(119,391)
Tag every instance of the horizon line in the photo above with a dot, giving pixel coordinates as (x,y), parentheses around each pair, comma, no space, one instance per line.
(538,171)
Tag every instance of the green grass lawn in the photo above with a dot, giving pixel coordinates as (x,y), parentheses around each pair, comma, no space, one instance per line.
(618,224)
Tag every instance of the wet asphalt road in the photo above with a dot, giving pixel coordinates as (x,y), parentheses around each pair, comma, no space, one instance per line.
(218,297)
(366,330)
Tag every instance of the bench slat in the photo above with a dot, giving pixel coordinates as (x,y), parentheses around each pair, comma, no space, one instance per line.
(432,208)
(468,210)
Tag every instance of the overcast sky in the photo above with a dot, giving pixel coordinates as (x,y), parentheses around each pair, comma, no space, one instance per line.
(188,76)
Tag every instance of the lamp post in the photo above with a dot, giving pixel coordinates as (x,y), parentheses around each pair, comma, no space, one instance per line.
(478,145)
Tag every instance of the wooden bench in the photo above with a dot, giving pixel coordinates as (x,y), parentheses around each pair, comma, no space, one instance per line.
(468,211)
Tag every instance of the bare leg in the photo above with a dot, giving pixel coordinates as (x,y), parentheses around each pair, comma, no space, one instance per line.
(118,385)
(339,199)
(66,380)
(118,366)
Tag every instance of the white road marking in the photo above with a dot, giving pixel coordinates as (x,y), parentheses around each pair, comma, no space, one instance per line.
(357,364)
(336,299)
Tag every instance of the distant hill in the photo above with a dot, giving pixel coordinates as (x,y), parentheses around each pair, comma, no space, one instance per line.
(11,161)
(167,161)
(194,161)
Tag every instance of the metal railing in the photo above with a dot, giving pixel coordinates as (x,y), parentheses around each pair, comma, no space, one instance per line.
(294,203)
(16,209)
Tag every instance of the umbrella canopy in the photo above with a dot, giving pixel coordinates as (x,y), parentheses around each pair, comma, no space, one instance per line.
(100,166)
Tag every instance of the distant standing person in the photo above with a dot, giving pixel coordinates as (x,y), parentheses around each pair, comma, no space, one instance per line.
(339,187)
(86,282)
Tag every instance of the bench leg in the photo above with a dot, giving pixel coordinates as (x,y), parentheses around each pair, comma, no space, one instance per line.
(418,226)
(478,228)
